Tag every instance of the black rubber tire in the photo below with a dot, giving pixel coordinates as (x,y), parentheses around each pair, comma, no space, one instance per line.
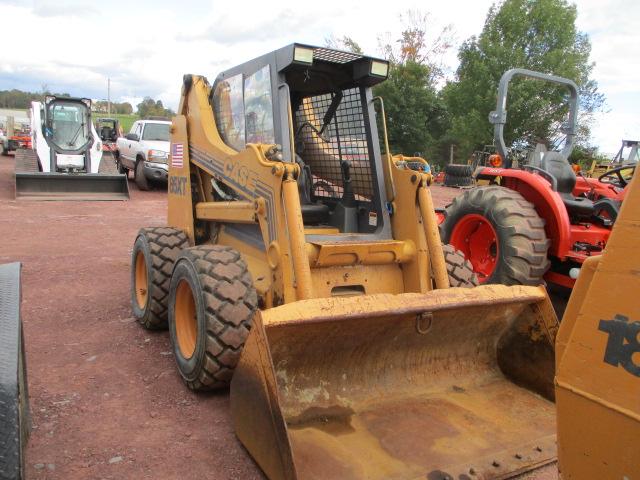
(141,180)
(459,269)
(456,181)
(522,241)
(225,303)
(15,419)
(5,151)
(119,167)
(160,247)
(458,170)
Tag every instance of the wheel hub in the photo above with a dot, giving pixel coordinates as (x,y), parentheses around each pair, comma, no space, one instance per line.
(141,281)
(185,319)
(475,236)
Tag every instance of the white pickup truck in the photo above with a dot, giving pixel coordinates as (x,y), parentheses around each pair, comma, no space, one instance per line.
(145,151)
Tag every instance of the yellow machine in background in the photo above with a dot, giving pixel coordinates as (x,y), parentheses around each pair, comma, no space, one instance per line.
(628,148)
(598,359)
(304,267)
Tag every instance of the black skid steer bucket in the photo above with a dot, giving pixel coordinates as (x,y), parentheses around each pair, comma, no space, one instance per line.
(453,384)
(64,186)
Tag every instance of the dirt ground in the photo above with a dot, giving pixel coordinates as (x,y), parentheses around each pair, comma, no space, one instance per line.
(107,402)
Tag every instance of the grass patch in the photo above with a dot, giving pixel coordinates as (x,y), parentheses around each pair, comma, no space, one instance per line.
(125,120)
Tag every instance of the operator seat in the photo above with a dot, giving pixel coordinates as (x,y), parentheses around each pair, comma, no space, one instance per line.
(558,167)
(312,213)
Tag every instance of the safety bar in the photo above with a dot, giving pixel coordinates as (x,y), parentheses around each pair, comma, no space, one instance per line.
(498,117)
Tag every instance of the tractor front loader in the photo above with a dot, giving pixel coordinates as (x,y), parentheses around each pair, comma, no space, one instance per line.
(304,268)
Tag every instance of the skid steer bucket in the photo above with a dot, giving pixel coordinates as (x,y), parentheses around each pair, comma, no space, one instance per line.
(453,384)
(63,186)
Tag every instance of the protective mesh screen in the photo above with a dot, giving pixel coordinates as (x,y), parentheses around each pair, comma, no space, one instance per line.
(345,138)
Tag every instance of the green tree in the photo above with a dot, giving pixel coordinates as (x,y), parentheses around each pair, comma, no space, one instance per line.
(125,108)
(414,112)
(416,116)
(539,35)
(153,108)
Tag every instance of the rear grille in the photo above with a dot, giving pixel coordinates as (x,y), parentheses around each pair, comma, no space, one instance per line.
(344,139)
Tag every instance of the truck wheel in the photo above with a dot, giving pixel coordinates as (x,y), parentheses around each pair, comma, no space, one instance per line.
(141,180)
(460,270)
(500,233)
(154,253)
(211,306)
(121,168)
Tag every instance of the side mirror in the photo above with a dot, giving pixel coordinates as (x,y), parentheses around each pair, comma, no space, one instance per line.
(132,137)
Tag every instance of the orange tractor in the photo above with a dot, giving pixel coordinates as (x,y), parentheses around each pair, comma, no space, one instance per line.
(538,221)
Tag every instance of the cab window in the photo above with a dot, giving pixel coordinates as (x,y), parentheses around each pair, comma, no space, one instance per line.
(229,111)
(258,107)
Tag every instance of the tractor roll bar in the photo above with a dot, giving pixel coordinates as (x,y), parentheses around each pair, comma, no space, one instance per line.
(498,117)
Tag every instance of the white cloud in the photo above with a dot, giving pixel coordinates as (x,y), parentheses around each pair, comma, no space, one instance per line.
(145,47)
(62,9)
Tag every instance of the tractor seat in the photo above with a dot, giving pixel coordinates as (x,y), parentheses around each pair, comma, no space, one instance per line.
(558,167)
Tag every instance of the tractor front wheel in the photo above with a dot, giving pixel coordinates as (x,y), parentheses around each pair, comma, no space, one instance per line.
(500,233)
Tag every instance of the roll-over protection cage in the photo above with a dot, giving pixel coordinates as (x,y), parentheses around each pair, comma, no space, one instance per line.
(319,107)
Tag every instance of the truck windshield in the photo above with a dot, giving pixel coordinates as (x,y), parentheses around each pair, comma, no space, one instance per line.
(156,131)
(68,124)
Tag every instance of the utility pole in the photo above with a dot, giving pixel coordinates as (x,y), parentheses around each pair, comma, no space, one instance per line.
(109,96)
(451,153)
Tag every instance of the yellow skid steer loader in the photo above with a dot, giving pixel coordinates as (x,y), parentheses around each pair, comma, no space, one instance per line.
(598,359)
(303,267)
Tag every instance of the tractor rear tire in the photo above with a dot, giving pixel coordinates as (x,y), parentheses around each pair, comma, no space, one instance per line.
(500,233)
(212,302)
(141,180)
(154,253)
(460,270)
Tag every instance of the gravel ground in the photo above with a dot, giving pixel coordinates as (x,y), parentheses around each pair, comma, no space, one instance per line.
(106,400)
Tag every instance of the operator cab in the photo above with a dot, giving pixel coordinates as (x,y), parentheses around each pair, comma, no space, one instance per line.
(66,127)
(107,128)
(321,99)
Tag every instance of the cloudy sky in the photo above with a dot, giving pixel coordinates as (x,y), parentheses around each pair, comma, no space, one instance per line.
(146,46)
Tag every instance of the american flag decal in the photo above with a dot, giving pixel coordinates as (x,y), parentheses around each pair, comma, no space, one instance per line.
(177,154)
